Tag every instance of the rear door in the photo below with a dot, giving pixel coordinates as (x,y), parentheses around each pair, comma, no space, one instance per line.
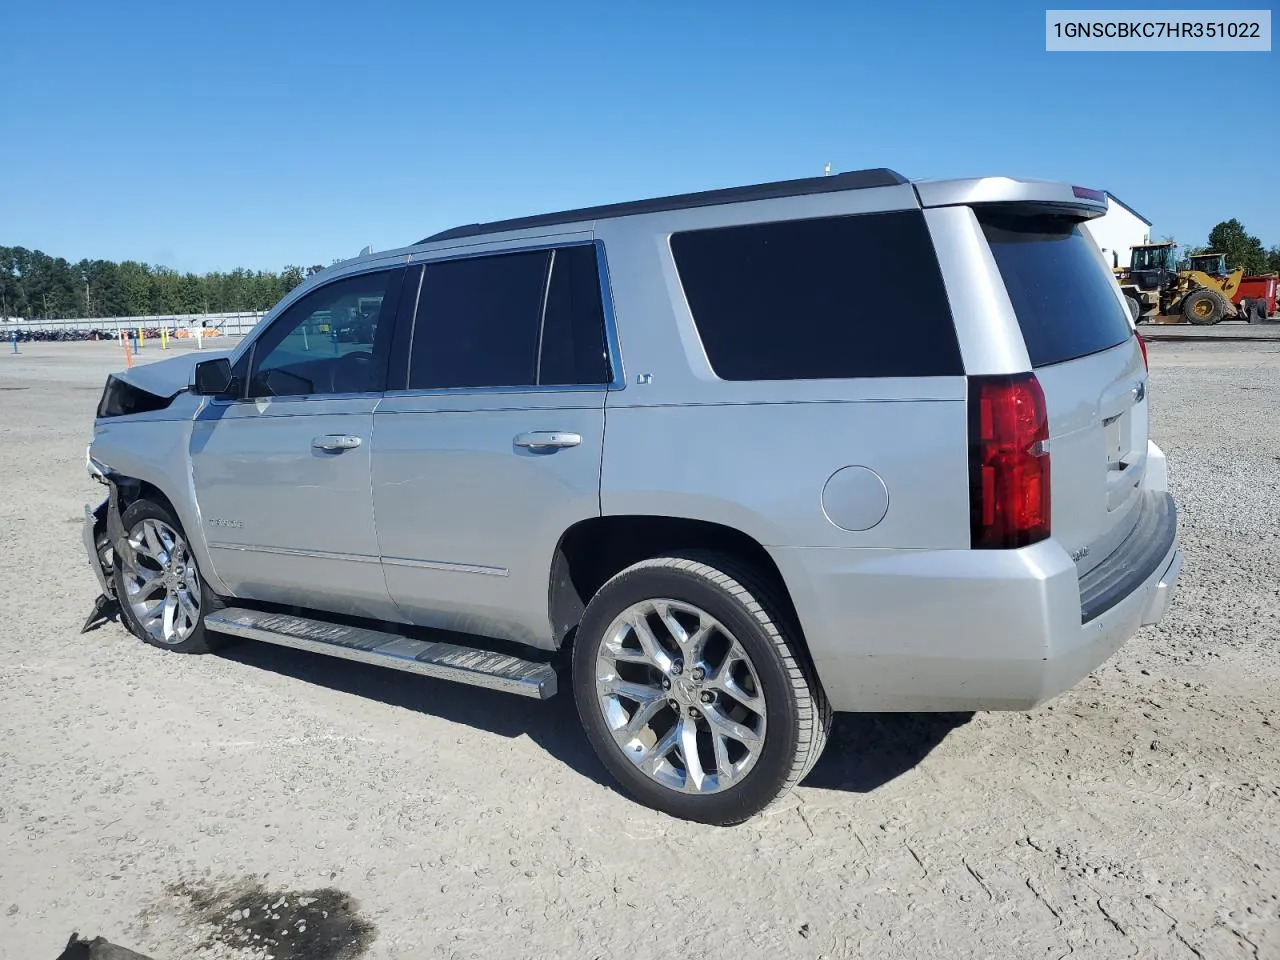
(1085,355)
(491,448)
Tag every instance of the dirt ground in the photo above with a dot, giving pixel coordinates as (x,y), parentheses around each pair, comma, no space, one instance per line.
(194,806)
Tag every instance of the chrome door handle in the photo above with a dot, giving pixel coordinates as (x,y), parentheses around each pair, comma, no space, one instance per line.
(547,440)
(335,441)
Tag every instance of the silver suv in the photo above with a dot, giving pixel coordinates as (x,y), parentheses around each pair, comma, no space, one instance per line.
(727,461)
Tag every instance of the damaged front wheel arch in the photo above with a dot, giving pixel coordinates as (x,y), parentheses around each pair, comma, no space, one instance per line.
(104,538)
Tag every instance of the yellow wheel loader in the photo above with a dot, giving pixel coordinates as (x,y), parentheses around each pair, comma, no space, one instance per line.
(1158,287)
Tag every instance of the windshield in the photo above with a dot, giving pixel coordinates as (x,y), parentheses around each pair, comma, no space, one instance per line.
(1212,264)
(1149,258)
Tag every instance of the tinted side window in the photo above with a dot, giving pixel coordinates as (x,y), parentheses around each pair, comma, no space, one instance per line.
(324,343)
(1062,294)
(478,320)
(573,341)
(806,299)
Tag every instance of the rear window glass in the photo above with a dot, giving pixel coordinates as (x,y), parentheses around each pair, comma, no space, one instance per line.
(1060,290)
(532,318)
(573,344)
(835,298)
(478,322)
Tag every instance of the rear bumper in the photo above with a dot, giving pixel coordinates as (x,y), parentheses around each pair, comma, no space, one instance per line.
(1105,634)
(1162,597)
(969,630)
(1133,562)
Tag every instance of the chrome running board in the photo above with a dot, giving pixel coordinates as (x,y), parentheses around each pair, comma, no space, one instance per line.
(444,661)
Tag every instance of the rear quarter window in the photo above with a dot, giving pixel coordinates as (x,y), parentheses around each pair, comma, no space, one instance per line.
(832,298)
(1062,293)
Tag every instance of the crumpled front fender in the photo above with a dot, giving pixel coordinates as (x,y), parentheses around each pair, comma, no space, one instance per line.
(102,531)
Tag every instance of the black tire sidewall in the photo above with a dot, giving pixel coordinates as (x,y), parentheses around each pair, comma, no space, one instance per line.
(765,780)
(199,641)
(1203,295)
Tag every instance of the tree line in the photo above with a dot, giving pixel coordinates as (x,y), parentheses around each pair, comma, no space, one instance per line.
(1242,249)
(36,286)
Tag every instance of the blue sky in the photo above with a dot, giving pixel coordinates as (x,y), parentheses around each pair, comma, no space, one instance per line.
(213,135)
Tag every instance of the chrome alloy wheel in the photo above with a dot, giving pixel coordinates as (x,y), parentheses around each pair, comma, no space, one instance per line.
(162,585)
(680,696)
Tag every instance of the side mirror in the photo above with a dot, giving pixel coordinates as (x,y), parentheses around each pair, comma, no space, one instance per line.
(212,378)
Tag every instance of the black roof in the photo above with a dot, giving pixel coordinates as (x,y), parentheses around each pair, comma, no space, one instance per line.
(853,180)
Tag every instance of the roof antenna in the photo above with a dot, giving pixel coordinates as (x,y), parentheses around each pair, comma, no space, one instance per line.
(826,171)
(366,251)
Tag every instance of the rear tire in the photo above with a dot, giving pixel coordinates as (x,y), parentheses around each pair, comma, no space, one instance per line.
(746,705)
(1135,309)
(1203,308)
(163,596)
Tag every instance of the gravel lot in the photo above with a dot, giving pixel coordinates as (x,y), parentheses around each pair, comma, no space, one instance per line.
(163,801)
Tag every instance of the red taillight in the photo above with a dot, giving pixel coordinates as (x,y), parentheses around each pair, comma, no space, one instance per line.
(1008,462)
(1142,345)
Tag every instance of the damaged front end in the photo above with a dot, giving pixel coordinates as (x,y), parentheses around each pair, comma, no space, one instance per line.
(140,393)
(128,393)
(102,531)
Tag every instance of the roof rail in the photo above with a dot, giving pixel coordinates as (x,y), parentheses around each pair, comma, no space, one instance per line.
(853,180)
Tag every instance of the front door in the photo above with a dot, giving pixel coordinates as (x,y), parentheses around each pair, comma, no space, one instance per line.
(493,448)
(281,469)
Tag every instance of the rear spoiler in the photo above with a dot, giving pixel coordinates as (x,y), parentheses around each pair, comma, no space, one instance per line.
(1063,198)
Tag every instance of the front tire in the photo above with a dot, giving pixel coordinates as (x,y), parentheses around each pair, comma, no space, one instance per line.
(693,690)
(163,598)
(1203,308)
